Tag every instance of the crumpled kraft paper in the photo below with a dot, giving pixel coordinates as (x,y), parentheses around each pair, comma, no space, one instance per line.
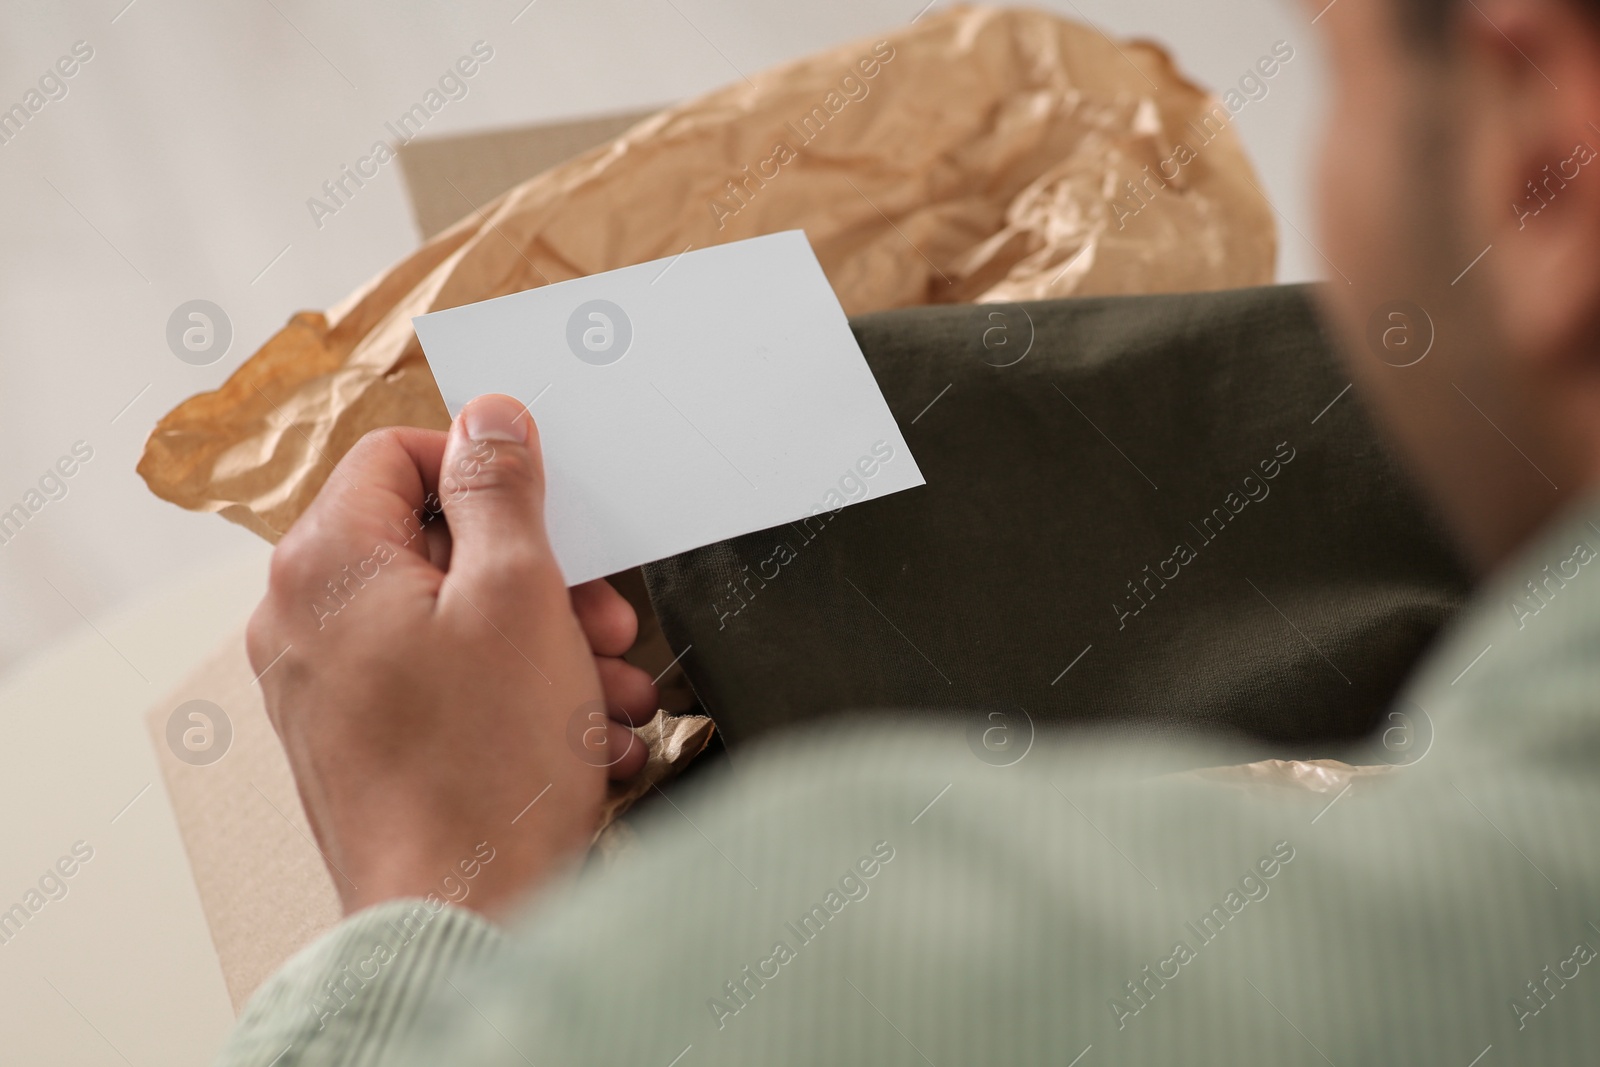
(974,155)
(673,742)
(1317,776)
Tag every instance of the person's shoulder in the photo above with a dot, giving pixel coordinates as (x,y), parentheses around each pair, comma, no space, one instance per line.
(1514,685)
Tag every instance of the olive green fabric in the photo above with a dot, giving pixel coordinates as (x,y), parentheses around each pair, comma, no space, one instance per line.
(1173,495)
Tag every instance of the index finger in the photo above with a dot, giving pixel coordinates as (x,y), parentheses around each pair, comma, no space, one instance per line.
(383,490)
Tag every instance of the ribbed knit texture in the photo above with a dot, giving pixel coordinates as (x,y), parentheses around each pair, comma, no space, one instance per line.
(1071,908)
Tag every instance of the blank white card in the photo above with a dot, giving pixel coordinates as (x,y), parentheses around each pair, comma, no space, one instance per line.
(683,401)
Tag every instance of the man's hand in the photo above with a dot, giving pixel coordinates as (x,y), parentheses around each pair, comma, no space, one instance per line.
(429,685)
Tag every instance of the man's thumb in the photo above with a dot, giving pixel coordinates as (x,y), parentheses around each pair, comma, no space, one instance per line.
(492,489)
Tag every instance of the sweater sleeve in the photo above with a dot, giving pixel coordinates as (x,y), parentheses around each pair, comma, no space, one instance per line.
(352,995)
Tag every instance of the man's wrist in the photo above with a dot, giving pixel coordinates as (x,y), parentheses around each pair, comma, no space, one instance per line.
(491,875)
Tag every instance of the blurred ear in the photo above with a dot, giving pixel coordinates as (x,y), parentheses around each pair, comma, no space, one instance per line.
(1531,86)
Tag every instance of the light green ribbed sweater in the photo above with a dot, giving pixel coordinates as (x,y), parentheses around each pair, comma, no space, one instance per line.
(884,897)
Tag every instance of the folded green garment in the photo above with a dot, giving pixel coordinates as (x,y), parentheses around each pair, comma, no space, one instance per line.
(1160,513)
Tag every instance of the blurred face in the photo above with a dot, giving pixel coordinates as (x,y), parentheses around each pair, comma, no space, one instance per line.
(1368,174)
(1408,197)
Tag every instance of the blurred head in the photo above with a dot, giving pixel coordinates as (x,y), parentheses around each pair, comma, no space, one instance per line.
(1462,128)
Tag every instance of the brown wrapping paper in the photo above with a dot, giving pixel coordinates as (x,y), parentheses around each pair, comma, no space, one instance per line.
(1309,776)
(673,741)
(975,155)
